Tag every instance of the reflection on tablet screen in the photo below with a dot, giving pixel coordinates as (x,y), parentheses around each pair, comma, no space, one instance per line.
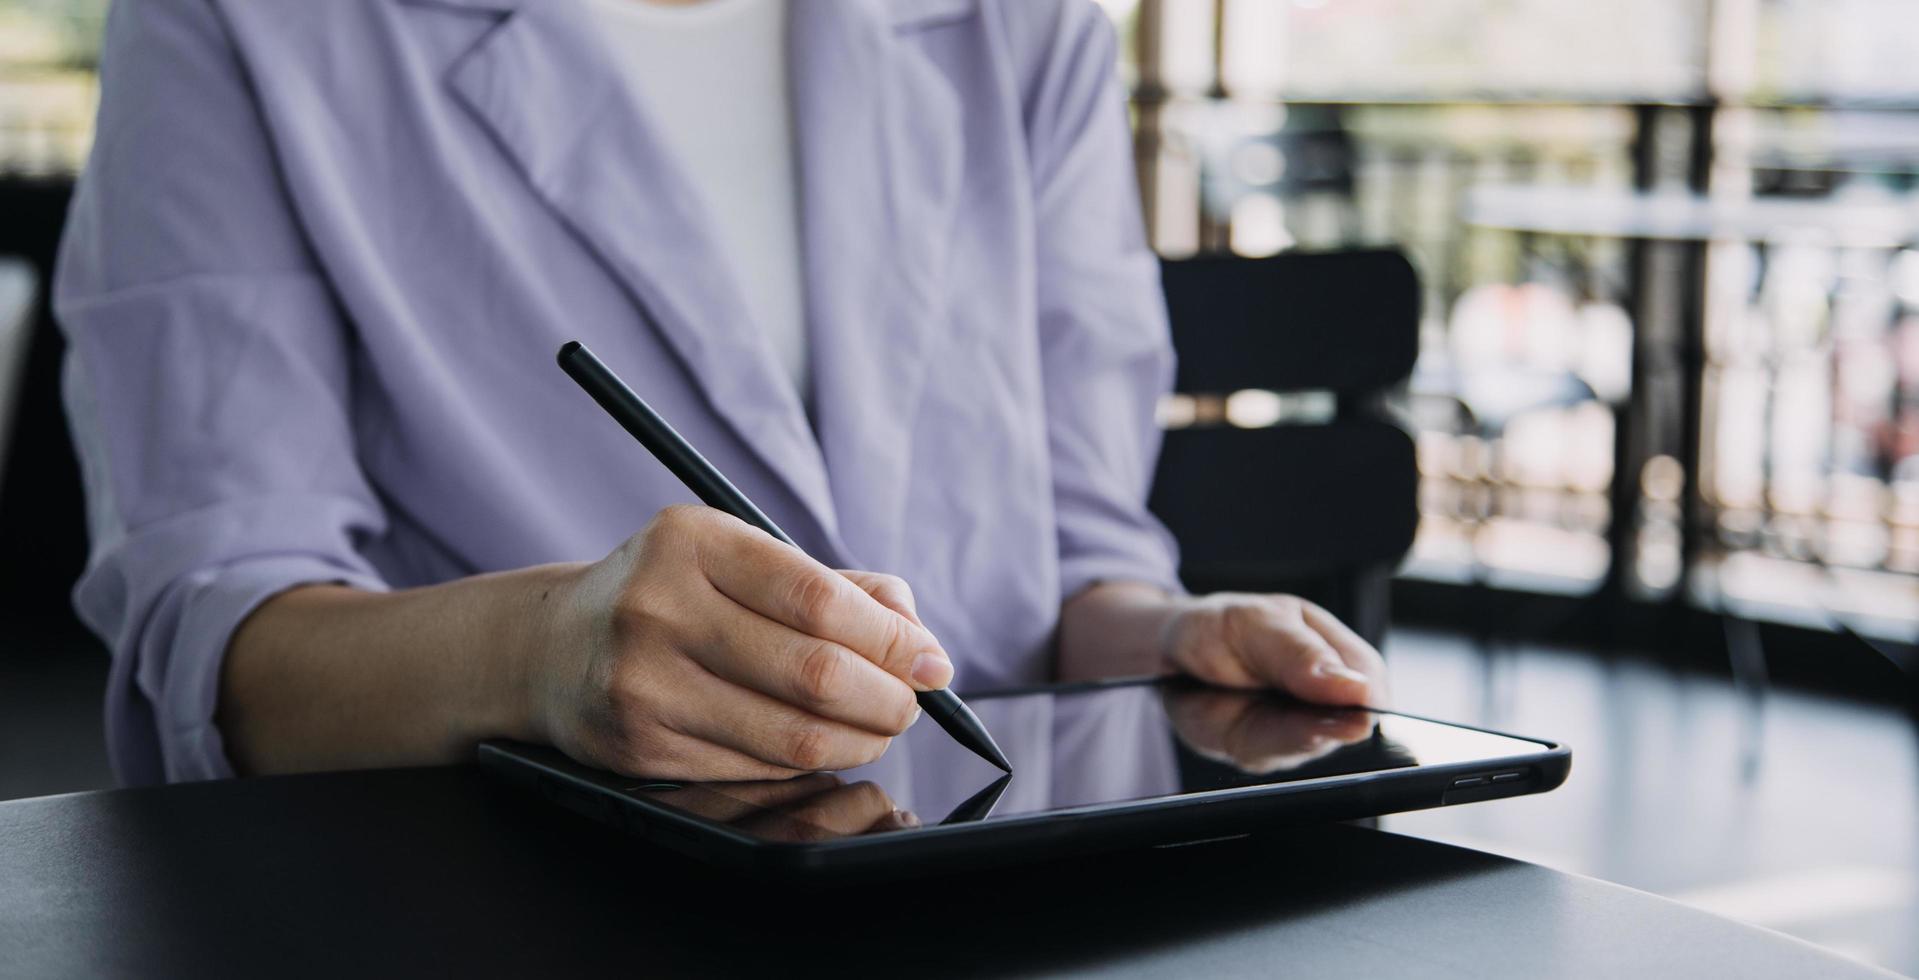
(1085,747)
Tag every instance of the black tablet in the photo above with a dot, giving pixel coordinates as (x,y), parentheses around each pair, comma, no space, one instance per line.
(1101,766)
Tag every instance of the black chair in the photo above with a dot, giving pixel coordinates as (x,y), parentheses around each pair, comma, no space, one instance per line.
(1324,508)
(18,300)
(42,514)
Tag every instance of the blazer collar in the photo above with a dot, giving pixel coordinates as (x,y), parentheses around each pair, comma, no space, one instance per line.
(880,148)
(878,154)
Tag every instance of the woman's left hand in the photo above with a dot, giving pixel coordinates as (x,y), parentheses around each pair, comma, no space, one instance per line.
(1237,639)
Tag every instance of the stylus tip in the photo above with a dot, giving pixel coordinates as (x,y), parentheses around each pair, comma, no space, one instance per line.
(959,721)
(974,736)
(991,753)
(998,758)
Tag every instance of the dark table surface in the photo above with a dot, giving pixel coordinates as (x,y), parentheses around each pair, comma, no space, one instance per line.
(441,872)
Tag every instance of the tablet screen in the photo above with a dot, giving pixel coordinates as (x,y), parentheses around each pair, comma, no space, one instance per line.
(1087,747)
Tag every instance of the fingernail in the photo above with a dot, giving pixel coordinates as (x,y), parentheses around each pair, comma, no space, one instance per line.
(907,818)
(933,670)
(1341,671)
(910,722)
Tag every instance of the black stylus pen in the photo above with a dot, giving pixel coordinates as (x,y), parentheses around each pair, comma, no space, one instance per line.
(715,490)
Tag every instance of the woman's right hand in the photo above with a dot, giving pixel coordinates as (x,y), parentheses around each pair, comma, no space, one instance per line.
(703,648)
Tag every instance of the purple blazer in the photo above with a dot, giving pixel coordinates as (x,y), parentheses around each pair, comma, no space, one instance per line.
(324,251)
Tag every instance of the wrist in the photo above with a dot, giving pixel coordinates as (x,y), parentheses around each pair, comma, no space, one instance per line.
(1119,629)
(538,630)
(1173,617)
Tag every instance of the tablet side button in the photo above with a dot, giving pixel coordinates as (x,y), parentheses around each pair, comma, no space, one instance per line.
(1469,781)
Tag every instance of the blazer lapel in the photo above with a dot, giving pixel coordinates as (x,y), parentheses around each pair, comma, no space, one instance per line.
(542,84)
(879,157)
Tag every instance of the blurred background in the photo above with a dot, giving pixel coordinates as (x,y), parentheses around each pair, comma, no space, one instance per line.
(1666,405)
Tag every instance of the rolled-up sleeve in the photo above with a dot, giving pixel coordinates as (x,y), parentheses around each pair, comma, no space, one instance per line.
(208,384)
(1106,353)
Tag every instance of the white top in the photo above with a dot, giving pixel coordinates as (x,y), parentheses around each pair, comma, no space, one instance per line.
(712,76)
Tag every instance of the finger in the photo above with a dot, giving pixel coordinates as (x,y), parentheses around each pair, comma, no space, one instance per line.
(673,755)
(890,591)
(897,820)
(819,676)
(786,586)
(1293,657)
(840,812)
(1353,648)
(763,728)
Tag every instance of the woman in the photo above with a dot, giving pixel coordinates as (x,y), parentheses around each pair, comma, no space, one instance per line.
(880,259)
